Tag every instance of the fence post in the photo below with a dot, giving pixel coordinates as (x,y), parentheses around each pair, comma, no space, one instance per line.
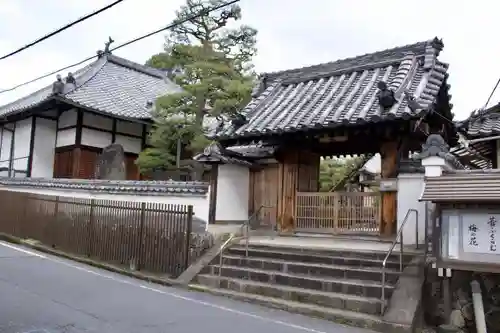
(141,231)
(91,228)
(53,228)
(24,218)
(336,212)
(188,235)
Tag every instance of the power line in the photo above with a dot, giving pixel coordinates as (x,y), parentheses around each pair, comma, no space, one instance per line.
(170,26)
(491,95)
(67,26)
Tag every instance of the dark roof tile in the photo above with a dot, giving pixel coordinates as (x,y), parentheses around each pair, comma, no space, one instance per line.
(463,186)
(110,85)
(482,123)
(344,92)
(112,186)
(241,154)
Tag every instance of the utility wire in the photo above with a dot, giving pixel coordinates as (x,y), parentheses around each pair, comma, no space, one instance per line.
(55,32)
(491,95)
(170,26)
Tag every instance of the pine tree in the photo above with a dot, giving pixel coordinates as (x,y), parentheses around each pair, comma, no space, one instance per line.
(212,64)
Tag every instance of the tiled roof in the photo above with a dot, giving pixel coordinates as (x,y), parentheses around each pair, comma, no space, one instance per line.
(482,123)
(242,155)
(110,85)
(112,186)
(463,186)
(475,155)
(344,92)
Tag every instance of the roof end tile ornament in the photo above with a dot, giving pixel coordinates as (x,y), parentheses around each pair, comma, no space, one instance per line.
(432,50)
(386,98)
(107,50)
(260,86)
(58,86)
(435,145)
(412,101)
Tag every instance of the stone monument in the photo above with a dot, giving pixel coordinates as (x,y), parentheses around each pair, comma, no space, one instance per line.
(110,164)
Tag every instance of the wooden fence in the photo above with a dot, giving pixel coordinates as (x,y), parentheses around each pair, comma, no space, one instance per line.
(338,212)
(151,236)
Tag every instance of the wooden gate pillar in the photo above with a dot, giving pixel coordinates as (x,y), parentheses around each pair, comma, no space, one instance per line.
(288,178)
(389,162)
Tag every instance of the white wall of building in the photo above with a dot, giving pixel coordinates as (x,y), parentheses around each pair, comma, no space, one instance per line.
(68,118)
(374,164)
(232,193)
(95,135)
(43,149)
(200,203)
(130,145)
(128,128)
(94,120)
(5,150)
(22,139)
(66,137)
(51,133)
(100,139)
(410,187)
(95,138)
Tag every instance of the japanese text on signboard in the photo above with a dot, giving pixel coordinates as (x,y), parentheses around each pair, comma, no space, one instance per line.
(479,233)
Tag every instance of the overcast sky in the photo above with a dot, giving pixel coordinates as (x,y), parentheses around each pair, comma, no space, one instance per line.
(292,33)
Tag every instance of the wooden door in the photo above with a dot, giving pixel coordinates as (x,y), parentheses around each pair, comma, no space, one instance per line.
(264,192)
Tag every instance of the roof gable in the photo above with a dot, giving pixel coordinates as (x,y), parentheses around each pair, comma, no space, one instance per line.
(482,123)
(344,92)
(110,85)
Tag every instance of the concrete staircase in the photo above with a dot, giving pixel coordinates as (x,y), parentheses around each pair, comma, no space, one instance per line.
(339,285)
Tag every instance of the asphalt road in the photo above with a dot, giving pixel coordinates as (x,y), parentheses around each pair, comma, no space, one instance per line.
(44,294)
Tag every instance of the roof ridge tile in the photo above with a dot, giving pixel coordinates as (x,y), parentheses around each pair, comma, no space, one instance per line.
(432,42)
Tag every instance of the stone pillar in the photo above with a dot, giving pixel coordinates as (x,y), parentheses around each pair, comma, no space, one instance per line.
(436,159)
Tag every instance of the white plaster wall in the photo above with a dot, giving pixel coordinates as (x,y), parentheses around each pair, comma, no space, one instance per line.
(67,118)
(5,150)
(200,203)
(130,145)
(410,187)
(128,128)
(66,137)
(22,138)
(43,149)
(374,164)
(232,193)
(93,120)
(95,138)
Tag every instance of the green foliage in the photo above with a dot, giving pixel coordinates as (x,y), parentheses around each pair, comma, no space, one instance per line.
(212,64)
(332,170)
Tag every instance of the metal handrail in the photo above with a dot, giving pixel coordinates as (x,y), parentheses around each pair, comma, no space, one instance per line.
(399,235)
(245,225)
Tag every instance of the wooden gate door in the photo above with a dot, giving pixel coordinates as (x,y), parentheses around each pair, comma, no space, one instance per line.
(264,192)
(338,212)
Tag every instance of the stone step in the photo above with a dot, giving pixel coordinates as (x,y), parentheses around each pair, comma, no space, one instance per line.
(322,257)
(327,299)
(339,285)
(339,251)
(313,269)
(351,318)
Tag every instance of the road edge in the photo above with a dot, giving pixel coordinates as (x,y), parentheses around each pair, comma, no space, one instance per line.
(87,261)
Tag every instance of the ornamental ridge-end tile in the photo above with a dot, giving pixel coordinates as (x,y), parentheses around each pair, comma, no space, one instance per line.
(435,145)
